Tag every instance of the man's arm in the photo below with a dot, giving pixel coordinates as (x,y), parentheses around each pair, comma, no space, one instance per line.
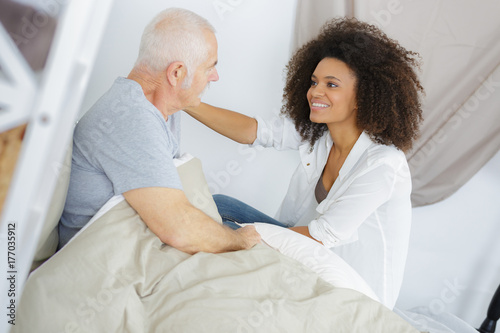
(234,125)
(168,214)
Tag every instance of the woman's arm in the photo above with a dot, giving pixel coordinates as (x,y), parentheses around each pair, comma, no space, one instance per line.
(304,231)
(234,125)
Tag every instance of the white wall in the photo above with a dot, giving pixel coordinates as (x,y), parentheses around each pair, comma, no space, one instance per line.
(453,241)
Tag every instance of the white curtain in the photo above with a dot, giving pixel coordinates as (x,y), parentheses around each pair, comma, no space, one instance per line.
(459,41)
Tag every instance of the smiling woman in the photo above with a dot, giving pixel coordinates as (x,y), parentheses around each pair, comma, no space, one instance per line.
(352,106)
(332,101)
(332,95)
(386,84)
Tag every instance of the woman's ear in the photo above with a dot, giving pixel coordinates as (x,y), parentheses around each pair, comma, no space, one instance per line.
(176,73)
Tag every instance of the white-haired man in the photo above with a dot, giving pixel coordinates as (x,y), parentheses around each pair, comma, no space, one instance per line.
(126,143)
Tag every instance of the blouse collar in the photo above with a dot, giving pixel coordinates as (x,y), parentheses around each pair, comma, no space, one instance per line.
(315,161)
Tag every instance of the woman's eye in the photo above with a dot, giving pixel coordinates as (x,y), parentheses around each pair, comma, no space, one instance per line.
(313,83)
(331,85)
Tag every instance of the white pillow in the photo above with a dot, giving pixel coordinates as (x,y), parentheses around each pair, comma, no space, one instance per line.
(328,265)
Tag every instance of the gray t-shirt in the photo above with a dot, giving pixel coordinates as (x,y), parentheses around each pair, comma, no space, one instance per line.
(122,143)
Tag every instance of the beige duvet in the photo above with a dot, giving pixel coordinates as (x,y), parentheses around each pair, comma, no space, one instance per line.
(116,276)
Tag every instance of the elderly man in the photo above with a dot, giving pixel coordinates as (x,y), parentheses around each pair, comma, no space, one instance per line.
(126,143)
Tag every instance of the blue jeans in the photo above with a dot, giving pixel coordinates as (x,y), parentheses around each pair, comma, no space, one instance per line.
(232,210)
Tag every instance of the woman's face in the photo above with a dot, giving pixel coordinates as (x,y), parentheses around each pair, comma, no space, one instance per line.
(332,96)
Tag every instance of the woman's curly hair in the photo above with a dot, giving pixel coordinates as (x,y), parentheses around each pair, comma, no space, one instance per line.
(387,86)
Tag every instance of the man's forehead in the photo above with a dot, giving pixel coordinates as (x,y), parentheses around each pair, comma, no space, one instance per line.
(213,58)
(210,36)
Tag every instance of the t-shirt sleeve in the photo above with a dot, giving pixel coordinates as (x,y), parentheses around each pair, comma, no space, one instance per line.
(133,151)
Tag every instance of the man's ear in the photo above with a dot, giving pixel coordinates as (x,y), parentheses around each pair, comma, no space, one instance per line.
(176,73)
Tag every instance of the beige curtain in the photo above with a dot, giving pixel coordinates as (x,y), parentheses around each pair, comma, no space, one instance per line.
(311,15)
(459,41)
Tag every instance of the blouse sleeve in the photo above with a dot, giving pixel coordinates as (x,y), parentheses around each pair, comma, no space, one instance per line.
(278,132)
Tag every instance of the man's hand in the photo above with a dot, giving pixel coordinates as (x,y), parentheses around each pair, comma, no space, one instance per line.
(249,235)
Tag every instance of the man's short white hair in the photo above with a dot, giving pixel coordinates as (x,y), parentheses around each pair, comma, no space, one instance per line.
(175,34)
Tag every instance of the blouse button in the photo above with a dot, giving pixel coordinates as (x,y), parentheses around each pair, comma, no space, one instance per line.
(308,164)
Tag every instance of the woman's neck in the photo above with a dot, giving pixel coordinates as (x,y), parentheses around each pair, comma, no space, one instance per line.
(344,138)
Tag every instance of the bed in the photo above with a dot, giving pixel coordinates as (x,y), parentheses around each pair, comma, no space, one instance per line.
(117,276)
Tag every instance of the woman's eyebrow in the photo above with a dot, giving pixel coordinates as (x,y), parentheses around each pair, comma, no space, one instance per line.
(328,77)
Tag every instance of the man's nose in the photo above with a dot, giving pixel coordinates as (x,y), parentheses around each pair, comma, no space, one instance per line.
(214,76)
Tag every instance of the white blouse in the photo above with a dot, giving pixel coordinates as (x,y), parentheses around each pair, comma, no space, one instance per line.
(366,216)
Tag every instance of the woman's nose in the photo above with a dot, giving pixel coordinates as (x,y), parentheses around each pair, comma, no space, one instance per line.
(317,91)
